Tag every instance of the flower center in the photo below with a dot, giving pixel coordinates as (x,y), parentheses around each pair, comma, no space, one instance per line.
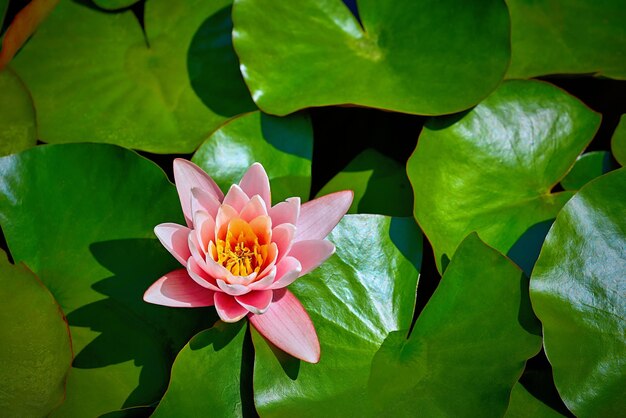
(240,251)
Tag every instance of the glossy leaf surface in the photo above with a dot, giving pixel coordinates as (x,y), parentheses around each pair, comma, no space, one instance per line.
(114,85)
(36,351)
(586,168)
(358,296)
(491,169)
(468,346)
(379,183)
(206,376)
(567,37)
(283,145)
(81,217)
(404,57)
(17,115)
(577,290)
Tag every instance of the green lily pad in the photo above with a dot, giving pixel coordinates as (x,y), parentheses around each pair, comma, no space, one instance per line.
(567,37)
(283,145)
(587,167)
(36,351)
(17,115)
(379,183)
(116,85)
(114,4)
(524,405)
(578,289)
(363,292)
(468,346)
(81,216)
(4,6)
(401,56)
(618,142)
(491,169)
(206,376)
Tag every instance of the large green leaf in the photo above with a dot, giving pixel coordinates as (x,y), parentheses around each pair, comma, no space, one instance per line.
(363,292)
(17,115)
(468,347)
(567,36)
(283,145)
(379,183)
(524,405)
(81,217)
(491,169)
(579,294)
(36,352)
(587,167)
(114,4)
(422,57)
(618,142)
(113,84)
(207,376)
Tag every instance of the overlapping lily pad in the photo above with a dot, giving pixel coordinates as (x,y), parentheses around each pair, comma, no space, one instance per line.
(618,142)
(578,289)
(36,352)
(379,183)
(587,167)
(468,347)
(363,292)
(113,84)
(114,4)
(283,145)
(17,115)
(491,169)
(524,405)
(207,376)
(413,57)
(565,37)
(81,217)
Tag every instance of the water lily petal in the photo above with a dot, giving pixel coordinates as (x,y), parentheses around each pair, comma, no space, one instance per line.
(262,228)
(187,175)
(287,325)
(311,253)
(256,301)
(203,200)
(287,271)
(200,276)
(285,212)
(255,182)
(318,217)
(223,217)
(236,198)
(174,239)
(283,235)
(204,228)
(232,289)
(255,207)
(227,308)
(177,289)
(265,282)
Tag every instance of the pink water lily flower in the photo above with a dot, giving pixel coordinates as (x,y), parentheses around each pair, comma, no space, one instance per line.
(240,253)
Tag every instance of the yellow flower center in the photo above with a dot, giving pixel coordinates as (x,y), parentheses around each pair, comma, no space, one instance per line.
(240,251)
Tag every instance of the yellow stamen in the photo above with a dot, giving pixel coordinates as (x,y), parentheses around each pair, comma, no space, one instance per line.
(240,251)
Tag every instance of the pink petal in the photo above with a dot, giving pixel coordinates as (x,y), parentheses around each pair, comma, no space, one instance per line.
(255,182)
(203,200)
(256,302)
(265,282)
(216,270)
(236,198)
(178,290)
(223,217)
(287,271)
(311,253)
(286,212)
(187,175)
(287,325)
(227,308)
(318,217)
(232,289)
(204,228)
(254,208)
(283,235)
(200,276)
(174,238)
